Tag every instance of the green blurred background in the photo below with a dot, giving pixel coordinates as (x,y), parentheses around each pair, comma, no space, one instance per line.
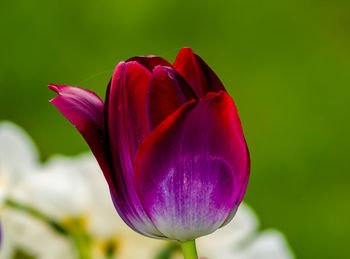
(286,64)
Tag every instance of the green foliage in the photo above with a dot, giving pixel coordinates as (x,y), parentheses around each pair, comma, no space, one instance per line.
(19,254)
(169,250)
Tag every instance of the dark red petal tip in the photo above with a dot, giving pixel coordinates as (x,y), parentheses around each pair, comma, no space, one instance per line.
(150,62)
(197,73)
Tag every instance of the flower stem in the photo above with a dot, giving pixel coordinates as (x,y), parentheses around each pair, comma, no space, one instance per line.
(189,249)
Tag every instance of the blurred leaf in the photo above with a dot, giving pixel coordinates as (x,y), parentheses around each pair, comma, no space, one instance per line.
(168,251)
(20,254)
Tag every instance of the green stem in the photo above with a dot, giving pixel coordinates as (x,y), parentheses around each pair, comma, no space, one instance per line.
(189,249)
(37,214)
(81,241)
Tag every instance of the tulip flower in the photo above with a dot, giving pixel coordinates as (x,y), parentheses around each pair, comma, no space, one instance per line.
(169,141)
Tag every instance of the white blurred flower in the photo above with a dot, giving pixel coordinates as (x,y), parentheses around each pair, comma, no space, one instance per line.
(241,239)
(19,160)
(32,236)
(18,157)
(57,189)
(73,189)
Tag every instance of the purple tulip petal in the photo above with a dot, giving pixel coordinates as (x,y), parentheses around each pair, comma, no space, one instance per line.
(190,170)
(84,109)
(127,127)
(197,73)
(241,193)
(127,114)
(114,167)
(150,61)
(166,93)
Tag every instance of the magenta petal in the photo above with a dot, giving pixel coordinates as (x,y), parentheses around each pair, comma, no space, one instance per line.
(166,93)
(84,109)
(191,170)
(127,127)
(150,61)
(241,193)
(197,73)
(127,101)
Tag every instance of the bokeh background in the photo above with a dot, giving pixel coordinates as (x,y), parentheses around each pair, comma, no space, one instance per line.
(285,63)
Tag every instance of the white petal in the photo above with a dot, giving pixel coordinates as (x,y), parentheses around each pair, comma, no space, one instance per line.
(35,237)
(17,149)
(270,244)
(72,187)
(18,156)
(240,239)
(57,189)
(241,228)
